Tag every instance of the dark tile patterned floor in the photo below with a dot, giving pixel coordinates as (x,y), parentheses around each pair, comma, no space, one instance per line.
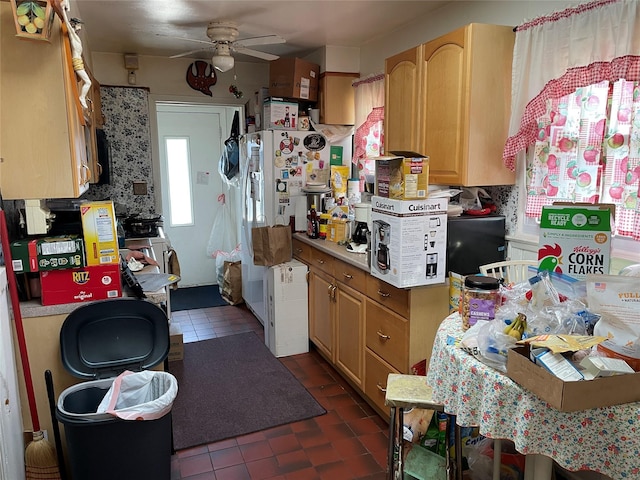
(348,442)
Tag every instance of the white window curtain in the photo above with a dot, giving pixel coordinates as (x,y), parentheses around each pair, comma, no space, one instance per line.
(369,116)
(556,54)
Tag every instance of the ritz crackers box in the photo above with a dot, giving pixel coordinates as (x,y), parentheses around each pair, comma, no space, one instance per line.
(575,239)
(99,230)
(76,285)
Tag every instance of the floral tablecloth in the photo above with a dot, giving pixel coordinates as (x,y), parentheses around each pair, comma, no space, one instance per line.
(606,440)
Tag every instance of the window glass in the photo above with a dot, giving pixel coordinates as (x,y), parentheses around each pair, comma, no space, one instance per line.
(178,168)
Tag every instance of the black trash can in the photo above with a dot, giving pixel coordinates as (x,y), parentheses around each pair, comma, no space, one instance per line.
(99,341)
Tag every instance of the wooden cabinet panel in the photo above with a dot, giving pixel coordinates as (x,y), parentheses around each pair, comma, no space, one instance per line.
(350,315)
(351,276)
(465,98)
(387,334)
(44,148)
(301,251)
(337,98)
(450,99)
(321,311)
(322,261)
(375,386)
(397,299)
(401,114)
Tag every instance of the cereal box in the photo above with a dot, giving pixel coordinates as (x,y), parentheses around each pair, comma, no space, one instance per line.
(575,240)
(99,230)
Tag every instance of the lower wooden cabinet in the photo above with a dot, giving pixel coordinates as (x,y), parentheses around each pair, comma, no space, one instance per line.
(365,327)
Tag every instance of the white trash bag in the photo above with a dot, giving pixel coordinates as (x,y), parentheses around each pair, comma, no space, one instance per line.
(146,395)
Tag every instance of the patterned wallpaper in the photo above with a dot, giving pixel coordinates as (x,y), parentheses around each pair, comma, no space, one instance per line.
(127,128)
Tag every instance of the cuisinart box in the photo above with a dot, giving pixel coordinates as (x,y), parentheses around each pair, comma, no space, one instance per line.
(409,241)
(575,239)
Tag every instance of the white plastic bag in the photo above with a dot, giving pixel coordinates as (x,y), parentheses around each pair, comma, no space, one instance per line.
(222,237)
(145,395)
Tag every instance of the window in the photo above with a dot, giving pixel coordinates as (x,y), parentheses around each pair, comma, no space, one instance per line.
(178,168)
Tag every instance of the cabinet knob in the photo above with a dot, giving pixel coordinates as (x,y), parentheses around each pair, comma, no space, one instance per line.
(383,294)
(381,388)
(298,250)
(320,261)
(383,336)
(347,276)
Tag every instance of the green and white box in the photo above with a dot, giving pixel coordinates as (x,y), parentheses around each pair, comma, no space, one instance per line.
(575,240)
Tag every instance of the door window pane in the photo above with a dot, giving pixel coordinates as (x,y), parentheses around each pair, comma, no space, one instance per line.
(180,199)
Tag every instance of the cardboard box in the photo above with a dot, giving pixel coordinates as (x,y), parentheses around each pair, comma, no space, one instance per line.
(48,253)
(575,240)
(176,343)
(402,178)
(409,241)
(280,114)
(571,396)
(294,78)
(84,284)
(99,230)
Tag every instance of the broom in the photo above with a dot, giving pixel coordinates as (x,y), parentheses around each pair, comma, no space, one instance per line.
(40,456)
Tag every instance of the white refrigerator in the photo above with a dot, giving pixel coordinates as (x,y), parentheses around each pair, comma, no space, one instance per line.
(286,330)
(275,166)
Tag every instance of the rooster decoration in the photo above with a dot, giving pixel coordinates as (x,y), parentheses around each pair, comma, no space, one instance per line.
(203,78)
(550,258)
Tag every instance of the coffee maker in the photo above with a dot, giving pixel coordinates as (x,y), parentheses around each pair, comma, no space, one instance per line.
(362,214)
(381,258)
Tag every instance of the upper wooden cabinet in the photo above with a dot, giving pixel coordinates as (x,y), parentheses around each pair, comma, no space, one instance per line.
(461,116)
(43,139)
(336,98)
(401,116)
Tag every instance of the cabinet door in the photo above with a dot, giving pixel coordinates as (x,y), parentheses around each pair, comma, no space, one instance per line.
(401,101)
(42,135)
(466,102)
(350,333)
(321,312)
(443,102)
(337,98)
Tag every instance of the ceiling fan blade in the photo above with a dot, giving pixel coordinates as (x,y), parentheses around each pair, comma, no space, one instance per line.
(207,42)
(265,40)
(256,53)
(184,54)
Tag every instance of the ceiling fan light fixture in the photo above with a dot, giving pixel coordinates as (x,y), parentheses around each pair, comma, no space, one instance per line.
(222,63)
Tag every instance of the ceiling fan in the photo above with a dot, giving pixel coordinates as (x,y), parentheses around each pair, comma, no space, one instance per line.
(224,41)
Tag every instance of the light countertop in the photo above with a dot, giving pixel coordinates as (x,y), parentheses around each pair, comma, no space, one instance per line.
(338,251)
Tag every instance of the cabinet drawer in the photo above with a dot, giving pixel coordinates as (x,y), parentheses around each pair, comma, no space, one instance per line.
(397,299)
(352,276)
(301,251)
(387,334)
(321,260)
(375,384)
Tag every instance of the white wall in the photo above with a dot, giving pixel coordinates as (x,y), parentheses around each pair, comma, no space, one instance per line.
(167,76)
(448,18)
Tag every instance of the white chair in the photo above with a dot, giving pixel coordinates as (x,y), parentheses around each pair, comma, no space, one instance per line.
(512,271)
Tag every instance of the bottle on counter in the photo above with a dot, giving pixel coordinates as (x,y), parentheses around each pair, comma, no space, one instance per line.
(324,224)
(313,223)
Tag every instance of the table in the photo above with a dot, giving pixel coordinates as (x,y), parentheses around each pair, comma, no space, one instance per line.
(606,440)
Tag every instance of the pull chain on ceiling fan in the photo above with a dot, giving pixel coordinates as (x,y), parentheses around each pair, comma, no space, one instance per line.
(223,35)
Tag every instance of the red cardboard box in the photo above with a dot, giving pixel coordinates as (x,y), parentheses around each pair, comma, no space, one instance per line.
(84,284)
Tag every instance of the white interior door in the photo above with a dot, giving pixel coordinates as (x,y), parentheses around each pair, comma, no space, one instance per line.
(191,139)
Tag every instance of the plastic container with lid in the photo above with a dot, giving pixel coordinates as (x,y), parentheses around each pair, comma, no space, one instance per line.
(480,299)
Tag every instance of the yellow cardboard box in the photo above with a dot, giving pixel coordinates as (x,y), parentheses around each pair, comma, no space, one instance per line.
(99,231)
(402,178)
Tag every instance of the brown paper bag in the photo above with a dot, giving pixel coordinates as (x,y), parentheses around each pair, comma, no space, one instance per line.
(232,283)
(271,245)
